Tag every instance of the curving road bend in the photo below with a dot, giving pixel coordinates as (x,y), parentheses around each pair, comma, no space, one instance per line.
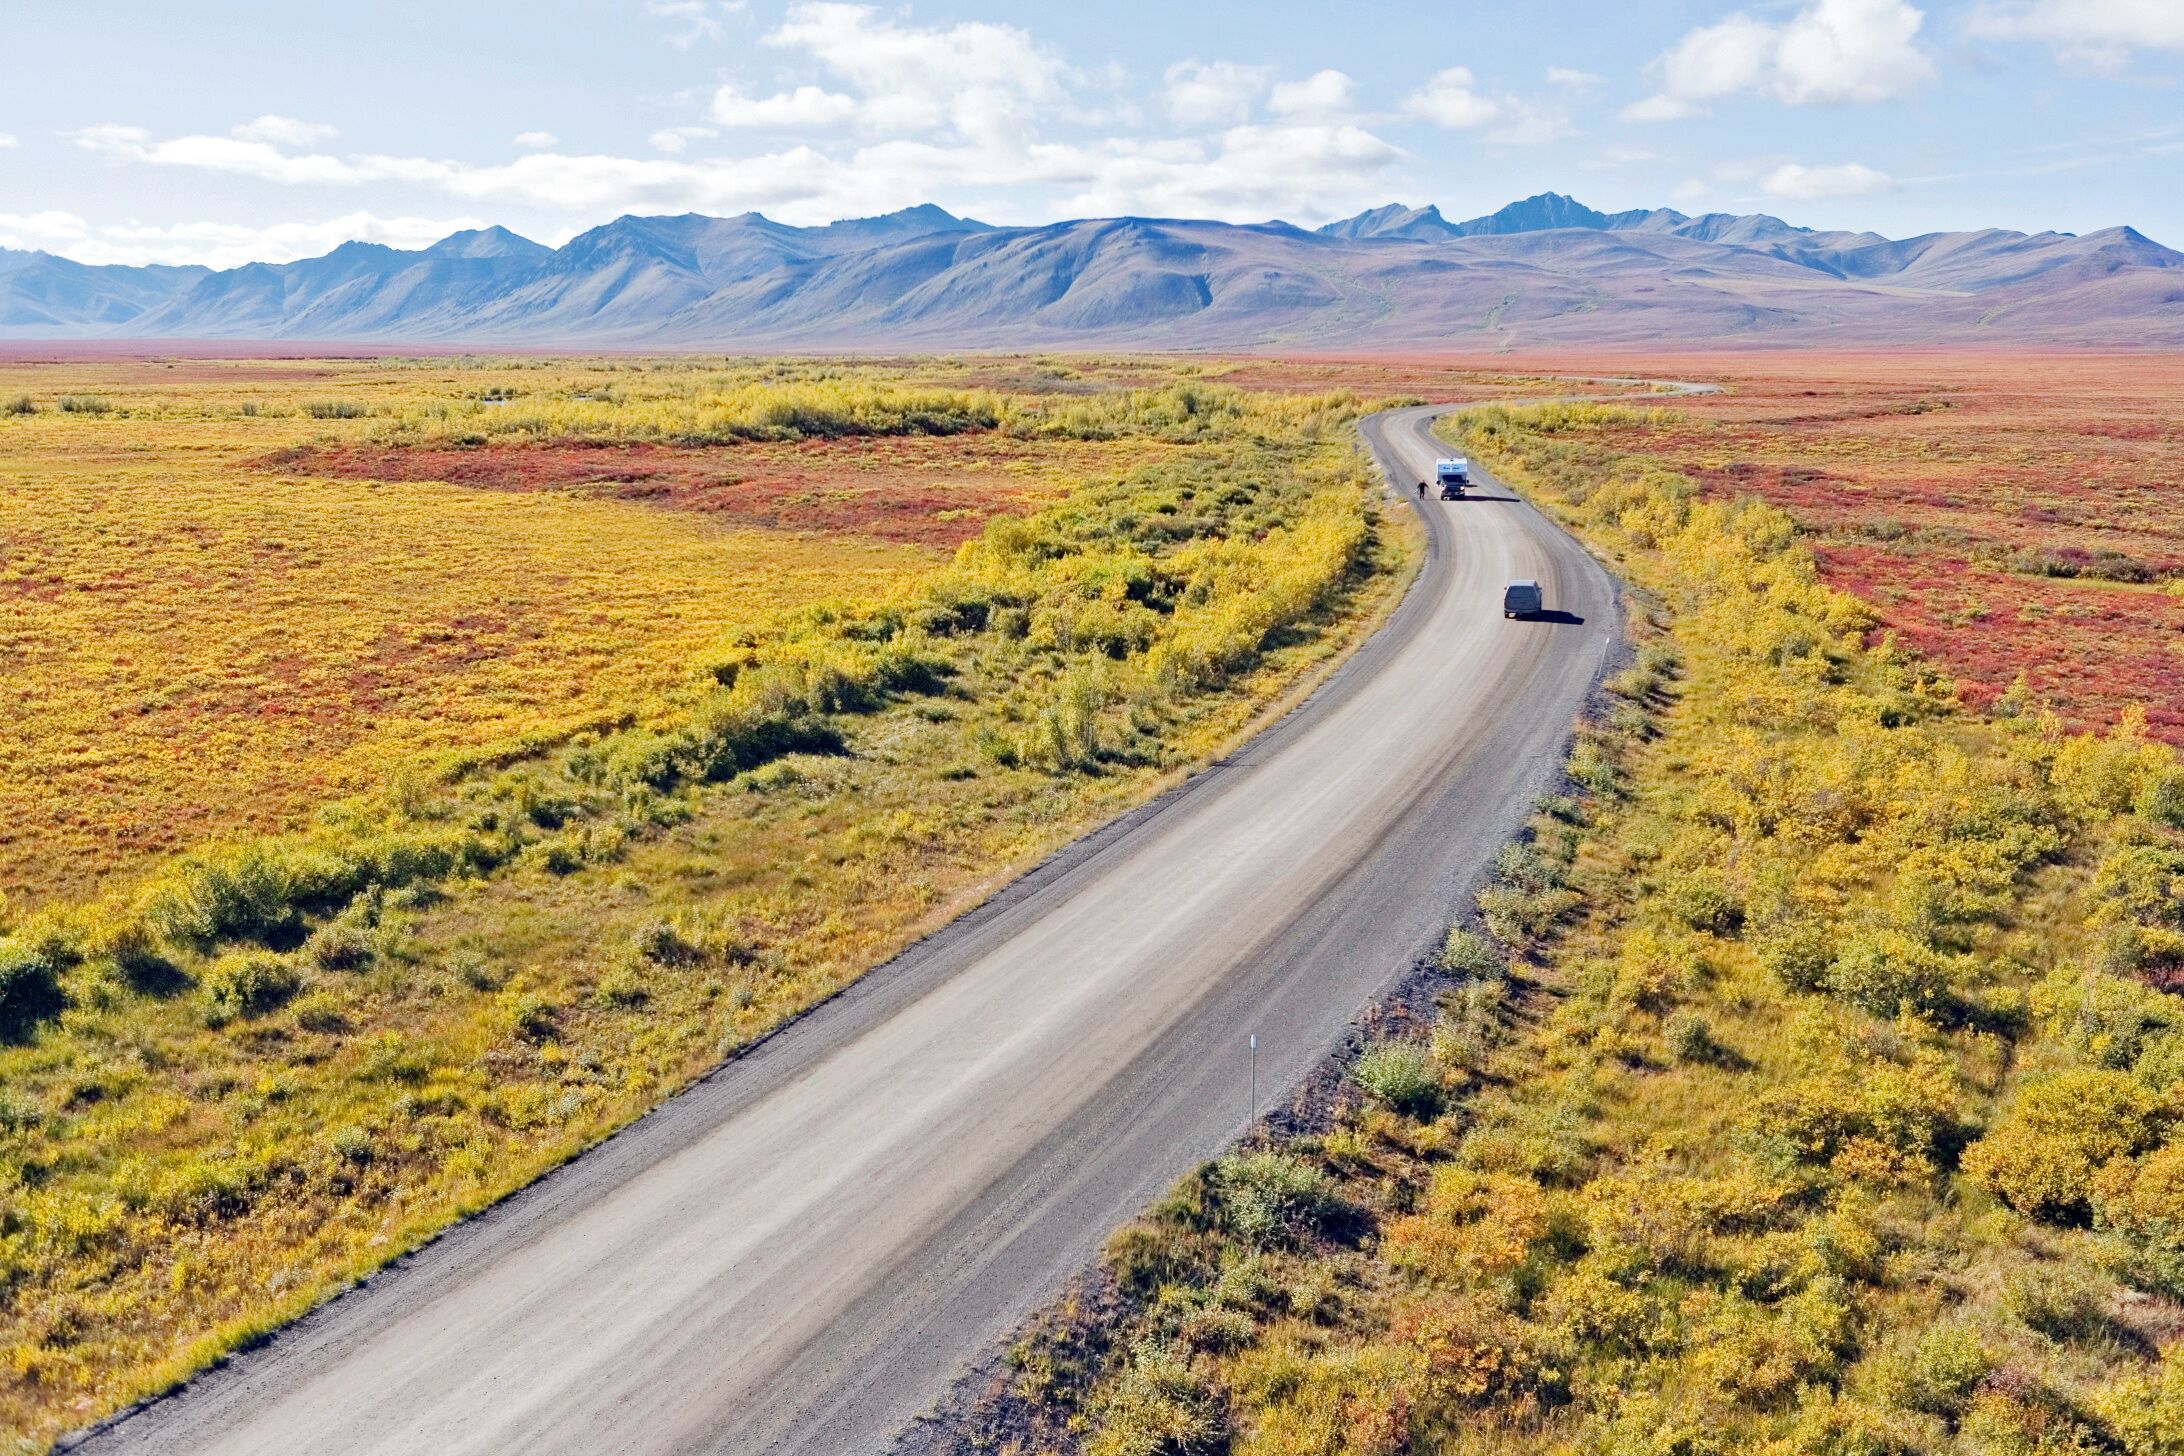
(797,1254)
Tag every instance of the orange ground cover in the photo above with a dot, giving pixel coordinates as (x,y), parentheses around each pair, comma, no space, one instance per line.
(2006,513)
(923,490)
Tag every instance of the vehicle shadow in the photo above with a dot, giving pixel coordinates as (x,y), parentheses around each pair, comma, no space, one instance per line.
(1564,619)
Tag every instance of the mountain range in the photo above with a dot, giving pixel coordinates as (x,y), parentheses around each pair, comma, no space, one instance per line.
(1544,271)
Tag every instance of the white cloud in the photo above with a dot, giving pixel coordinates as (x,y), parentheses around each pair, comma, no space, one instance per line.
(1809,184)
(214,154)
(1573,79)
(1255,172)
(807,107)
(1833,52)
(49,226)
(1851,51)
(1243,173)
(221,245)
(7,139)
(2097,33)
(677,138)
(693,20)
(1452,99)
(950,111)
(1740,169)
(1528,124)
(1658,108)
(537,141)
(285,131)
(974,78)
(1215,93)
(1321,94)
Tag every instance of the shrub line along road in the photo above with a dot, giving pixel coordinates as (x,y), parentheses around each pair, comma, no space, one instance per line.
(798,1253)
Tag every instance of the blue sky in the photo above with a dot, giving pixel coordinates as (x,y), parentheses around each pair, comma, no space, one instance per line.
(224,132)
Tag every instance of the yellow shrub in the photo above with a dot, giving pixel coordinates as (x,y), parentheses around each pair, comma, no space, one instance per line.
(2042,1157)
(1476,1226)
(2145,1409)
(1348,1400)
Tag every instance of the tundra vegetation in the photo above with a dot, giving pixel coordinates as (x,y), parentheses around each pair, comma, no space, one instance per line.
(2007,516)
(499,797)
(222,605)
(1812,1079)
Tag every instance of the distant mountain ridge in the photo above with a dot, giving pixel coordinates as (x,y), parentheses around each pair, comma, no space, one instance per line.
(1547,270)
(1549,211)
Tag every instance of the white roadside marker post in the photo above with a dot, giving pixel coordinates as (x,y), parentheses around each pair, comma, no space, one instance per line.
(1252,1110)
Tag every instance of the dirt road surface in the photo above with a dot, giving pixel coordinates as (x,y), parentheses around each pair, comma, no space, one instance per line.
(797,1254)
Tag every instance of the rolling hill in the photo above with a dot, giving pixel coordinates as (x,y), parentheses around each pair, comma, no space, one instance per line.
(1547,270)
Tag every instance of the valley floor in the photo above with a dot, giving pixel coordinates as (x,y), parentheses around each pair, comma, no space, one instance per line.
(238,1070)
(1807,1079)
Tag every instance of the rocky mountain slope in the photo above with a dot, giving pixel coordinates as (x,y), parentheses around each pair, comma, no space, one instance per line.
(1547,270)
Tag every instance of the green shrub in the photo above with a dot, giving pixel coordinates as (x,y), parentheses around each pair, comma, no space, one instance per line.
(334,409)
(21,404)
(2161,799)
(17,1114)
(1799,955)
(248,983)
(1885,971)
(1518,917)
(85,404)
(560,855)
(320,1013)
(473,970)
(662,942)
(1470,1024)
(1630,720)
(352,1145)
(123,948)
(2059,1301)
(1690,1037)
(1467,954)
(1399,1075)
(1523,866)
(1945,1367)
(1560,807)
(532,1018)
(340,945)
(622,988)
(1273,1200)
(258,890)
(30,987)
(1704,904)
(393,1057)
(997,748)
(1158,1407)
(1591,768)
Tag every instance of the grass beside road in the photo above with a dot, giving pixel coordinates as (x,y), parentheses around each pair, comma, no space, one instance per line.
(270,1063)
(1811,1079)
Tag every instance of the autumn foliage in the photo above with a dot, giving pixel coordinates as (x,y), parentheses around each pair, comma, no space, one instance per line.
(1811,1089)
(671,784)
